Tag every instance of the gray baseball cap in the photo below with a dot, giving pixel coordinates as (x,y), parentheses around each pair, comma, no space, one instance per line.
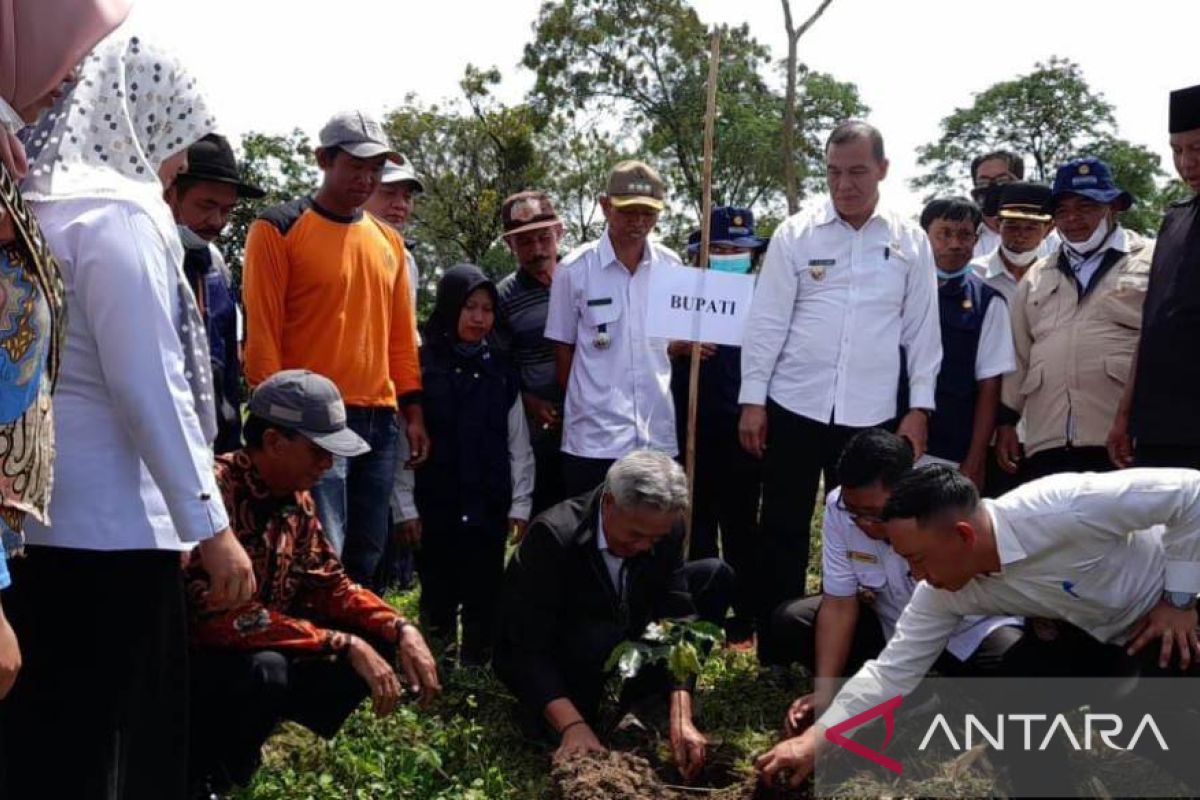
(358,134)
(311,405)
(400,172)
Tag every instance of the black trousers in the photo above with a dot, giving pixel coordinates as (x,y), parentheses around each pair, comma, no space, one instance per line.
(1168,455)
(100,708)
(462,569)
(799,451)
(581,662)
(549,485)
(728,491)
(1066,459)
(1003,652)
(240,698)
(997,482)
(582,474)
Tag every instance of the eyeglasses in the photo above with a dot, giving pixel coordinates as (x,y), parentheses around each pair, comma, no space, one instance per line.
(858,516)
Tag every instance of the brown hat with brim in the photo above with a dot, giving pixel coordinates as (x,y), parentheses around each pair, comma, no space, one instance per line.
(527,211)
(635,183)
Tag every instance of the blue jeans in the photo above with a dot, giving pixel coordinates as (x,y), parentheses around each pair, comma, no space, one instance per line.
(353,496)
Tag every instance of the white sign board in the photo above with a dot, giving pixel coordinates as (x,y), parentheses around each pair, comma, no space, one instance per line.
(699,305)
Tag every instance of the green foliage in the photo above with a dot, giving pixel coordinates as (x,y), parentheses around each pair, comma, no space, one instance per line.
(471,154)
(679,646)
(1050,116)
(645,62)
(286,167)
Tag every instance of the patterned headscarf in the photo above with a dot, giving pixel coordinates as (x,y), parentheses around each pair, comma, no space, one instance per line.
(133,107)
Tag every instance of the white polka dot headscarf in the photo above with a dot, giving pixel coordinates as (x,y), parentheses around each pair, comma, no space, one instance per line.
(133,107)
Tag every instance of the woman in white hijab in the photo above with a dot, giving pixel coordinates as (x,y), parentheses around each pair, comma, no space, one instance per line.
(101,709)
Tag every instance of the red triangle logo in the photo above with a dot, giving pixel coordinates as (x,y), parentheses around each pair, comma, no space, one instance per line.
(886,710)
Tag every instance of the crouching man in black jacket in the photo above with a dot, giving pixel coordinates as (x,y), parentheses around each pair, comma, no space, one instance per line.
(592,572)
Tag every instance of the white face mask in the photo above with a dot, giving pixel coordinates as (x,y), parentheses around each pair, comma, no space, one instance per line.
(1092,242)
(1019,259)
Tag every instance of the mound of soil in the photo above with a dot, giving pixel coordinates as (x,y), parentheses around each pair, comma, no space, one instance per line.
(609,776)
(624,776)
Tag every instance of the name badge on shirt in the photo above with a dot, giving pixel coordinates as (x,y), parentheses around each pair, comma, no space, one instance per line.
(817,267)
(599,301)
(863,558)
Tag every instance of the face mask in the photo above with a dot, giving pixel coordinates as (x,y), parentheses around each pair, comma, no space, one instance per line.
(733,262)
(949,276)
(1019,259)
(1095,240)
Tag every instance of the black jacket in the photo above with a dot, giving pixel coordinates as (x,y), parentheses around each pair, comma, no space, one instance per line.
(561,612)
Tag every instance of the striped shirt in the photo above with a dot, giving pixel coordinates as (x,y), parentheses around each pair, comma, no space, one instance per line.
(521,324)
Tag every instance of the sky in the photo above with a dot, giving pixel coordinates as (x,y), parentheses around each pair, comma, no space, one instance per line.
(274,65)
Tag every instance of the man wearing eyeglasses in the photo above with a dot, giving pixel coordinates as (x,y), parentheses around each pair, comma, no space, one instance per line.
(866,587)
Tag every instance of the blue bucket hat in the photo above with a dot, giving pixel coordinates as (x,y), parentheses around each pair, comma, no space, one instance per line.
(730,226)
(1090,178)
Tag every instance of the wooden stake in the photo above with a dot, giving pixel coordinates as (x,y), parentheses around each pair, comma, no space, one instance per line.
(710,117)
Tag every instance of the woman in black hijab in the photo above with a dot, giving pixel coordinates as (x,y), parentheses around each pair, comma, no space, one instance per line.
(478,482)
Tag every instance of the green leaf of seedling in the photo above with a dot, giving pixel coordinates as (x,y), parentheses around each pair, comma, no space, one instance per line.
(684,662)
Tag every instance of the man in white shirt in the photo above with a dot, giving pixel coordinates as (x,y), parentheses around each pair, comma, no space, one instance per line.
(1115,555)
(1025,221)
(842,290)
(991,172)
(616,378)
(866,586)
(977,343)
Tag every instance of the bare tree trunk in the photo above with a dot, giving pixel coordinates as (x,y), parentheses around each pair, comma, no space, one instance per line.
(791,187)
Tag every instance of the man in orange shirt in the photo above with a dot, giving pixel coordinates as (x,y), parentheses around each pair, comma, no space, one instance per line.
(326,289)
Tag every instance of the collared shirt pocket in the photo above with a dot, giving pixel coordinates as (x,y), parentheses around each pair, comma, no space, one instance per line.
(1033,380)
(1123,304)
(869,571)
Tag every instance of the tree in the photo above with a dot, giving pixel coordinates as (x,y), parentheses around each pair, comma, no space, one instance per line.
(578,155)
(1050,116)
(469,158)
(284,166)
(644,63)
(791,185)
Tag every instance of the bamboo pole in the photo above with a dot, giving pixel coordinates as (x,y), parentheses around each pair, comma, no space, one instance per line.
(710,116)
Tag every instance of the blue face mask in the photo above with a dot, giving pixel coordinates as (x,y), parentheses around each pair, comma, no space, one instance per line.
(949,276)
(732,262)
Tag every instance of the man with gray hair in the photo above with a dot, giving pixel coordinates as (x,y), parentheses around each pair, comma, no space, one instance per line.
(592,572)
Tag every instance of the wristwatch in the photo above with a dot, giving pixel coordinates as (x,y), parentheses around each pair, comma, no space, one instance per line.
(1184,601)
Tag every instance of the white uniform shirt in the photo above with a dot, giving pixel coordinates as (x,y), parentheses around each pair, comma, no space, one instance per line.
(850,559)
(991,270)
(132,470)
(1095,549)
(831,309)
(619,395)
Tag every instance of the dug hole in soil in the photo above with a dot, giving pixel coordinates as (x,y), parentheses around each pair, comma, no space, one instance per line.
(623,776)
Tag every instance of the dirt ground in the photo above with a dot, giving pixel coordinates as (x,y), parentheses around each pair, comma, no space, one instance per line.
(623,776)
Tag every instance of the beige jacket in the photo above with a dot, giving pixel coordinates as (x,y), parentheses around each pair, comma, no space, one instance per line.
(1074,354)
